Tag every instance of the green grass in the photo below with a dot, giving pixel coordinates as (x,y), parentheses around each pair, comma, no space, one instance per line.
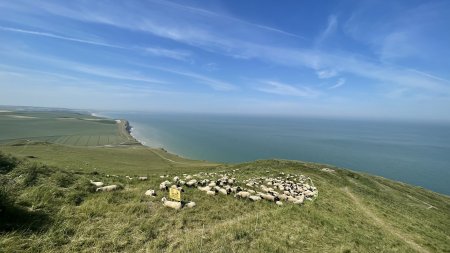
(66,128)
(73,218)
(48,205)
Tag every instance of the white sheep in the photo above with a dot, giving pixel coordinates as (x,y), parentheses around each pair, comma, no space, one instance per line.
(255,198)
(164,185)
(142,178)
(242,194)
(282,196)
(300,199)
(268,197)
(279,203)
(98,184)
(190,204)
(223,191)
(150,193)
(172,204)
(211,192)
(107,188)
(191,183)
(204,189)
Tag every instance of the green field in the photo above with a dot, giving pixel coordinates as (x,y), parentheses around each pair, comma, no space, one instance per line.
(65,128)
(48,205)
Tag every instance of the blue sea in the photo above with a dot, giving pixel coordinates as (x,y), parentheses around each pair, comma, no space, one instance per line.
(417,153)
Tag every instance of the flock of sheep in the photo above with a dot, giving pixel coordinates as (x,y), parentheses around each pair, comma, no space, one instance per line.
(282,188)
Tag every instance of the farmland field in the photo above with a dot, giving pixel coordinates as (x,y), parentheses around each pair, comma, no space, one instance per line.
(65,128)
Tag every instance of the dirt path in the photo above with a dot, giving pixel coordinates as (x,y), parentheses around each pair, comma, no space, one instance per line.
(167,159)
(380,222)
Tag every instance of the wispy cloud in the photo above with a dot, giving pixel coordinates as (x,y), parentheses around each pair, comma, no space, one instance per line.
(188,30)
(284,89)
(169,53)
(210,32)
(226,17)
(156,51)
(211,82)
(113,73)
(326,73)
(339,83)
(60,37)
(330,29)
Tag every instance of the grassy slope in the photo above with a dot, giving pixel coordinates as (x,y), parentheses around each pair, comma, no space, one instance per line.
(354,212)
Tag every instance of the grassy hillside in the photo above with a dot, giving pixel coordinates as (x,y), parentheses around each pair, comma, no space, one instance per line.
(48,205)
(50,209)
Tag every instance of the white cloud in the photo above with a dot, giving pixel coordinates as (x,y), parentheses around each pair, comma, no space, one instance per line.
(169,53)
(213,35)
(284,89)
(326,73)
(211,82)
(330,29)
(339,83)
(60,37)
(95,70)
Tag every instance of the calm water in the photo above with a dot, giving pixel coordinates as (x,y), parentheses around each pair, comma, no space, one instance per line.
(416,153)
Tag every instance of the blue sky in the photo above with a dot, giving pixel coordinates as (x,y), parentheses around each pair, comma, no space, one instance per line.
(376,59)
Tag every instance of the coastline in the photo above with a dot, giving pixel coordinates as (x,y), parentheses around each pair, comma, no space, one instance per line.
(151,138)
(126,129)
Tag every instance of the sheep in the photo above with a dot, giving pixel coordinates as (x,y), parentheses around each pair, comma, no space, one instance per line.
(254,198)
(223,191)
(150,193)
(268,197)
(279,203)
(172,204)
(107,188)
(190,204)
(300,199)
(98,184)
(142,178)
(242,194)
(282,196)
(128,177)
(191,183)
(176,179)
(164,185)
(309,194)
(211,192)
(204,189)
(188,177)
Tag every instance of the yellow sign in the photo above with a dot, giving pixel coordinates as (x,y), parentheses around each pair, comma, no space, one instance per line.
(175,194)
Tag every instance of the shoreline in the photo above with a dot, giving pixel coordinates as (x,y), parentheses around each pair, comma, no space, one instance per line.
(134,134)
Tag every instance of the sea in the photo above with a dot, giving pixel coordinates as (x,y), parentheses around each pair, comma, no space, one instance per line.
(417,153)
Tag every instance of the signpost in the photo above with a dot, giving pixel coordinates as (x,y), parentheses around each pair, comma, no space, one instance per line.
(175,194)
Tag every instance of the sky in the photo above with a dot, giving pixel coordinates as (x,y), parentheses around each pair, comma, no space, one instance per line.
(371,59)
